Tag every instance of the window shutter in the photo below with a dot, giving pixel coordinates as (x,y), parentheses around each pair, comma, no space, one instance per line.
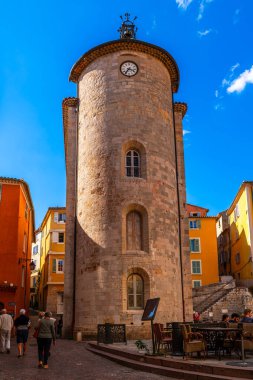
(54,266)
(55,237)
(56,217)
(197,245)
(198,224)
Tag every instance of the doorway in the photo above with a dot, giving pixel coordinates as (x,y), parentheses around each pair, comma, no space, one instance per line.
(60,298)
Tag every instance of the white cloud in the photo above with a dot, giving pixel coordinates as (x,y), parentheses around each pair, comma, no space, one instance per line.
(154,23)
(185,132)
(239,84)
(236,16)
(227,80)
(204,33)
(216,93)
(183,3)
(218,106)
(234,67)
(224,82)
(202,6)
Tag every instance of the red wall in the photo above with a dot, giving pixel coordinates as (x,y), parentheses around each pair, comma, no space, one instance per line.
(13,226)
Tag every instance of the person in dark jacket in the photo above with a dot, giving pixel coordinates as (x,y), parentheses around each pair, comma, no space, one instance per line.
(46,334)
(247,316)
(235,318)
(22,324)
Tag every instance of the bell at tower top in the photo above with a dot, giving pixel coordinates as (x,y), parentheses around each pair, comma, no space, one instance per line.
(128,29)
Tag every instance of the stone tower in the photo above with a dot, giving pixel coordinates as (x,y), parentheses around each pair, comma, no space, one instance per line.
(126,232)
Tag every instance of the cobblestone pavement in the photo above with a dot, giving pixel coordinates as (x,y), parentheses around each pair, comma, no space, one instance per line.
(69,360)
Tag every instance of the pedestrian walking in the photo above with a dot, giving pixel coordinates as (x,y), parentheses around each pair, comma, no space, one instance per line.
(6,324)
(59,327)
(22,324)
(46,334)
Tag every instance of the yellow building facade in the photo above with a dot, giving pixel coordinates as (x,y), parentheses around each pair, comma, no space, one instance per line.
(240,217)
(52,254)
(203,247)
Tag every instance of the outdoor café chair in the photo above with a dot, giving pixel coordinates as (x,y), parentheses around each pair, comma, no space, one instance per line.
(163,338)
(247,333)
(192,341)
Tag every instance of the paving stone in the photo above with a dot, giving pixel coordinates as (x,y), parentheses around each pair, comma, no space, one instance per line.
(69,360)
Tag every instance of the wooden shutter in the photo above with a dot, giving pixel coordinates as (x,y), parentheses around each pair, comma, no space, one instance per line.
(56,217)
(197,245)
(198,224)
(55,237)
(54,266)
(134,231)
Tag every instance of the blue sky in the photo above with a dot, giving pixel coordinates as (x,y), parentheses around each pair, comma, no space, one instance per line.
(211,41)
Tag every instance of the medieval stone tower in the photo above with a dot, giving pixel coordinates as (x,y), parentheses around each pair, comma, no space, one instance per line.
(126,232)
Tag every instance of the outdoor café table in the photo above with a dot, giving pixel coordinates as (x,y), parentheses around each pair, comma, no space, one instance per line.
(214,337)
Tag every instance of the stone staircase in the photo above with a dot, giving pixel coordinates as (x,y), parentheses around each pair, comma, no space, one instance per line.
(221,296)
(213,293)
(171,367)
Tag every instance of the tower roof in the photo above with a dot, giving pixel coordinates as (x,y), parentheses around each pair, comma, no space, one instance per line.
(131,45)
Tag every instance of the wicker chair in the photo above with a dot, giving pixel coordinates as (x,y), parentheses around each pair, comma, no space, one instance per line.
(247,331)
(192,341)
(163,338)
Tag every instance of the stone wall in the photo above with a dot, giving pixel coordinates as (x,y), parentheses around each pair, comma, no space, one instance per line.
(235,301)
(70,108)
(51,302)
(116,113)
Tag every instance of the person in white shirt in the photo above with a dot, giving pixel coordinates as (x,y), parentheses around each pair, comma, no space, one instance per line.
(6,324)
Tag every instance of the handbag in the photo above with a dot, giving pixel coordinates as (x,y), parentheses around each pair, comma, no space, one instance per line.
(36,331)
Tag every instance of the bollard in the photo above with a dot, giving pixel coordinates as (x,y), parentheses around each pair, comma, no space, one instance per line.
(177,339)
(79,336)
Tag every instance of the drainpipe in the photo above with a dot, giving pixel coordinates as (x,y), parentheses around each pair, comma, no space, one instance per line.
(179,211)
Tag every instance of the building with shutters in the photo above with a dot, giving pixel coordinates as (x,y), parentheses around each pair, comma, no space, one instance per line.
(203,246)
(240,219)
(126,230)
(52,257)
(35,274)
(16,237)
(224,245)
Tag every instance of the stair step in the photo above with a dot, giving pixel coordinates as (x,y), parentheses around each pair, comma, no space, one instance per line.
(140,363)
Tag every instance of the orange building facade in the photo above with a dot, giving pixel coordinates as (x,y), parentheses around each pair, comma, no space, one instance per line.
(16,237)
(203,246)
(52,256)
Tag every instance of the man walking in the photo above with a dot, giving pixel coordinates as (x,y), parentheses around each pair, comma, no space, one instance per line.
(6,324)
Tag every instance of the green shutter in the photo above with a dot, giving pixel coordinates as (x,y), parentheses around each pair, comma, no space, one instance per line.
(196,245)
(198,224)
(54,266)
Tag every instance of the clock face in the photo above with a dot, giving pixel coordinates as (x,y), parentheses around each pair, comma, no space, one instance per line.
(129,68)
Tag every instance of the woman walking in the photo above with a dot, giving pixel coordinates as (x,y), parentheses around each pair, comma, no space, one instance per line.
(22,324)
(46,333)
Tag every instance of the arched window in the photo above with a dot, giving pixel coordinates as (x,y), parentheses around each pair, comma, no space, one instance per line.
(134,231)
(133,168)
(135,292)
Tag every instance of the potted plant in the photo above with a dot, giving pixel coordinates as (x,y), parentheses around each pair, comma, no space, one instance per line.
(142,347)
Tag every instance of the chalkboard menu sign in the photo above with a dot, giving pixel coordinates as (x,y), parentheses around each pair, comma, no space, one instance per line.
(150,309)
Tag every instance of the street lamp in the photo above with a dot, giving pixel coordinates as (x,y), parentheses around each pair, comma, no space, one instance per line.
(32,264)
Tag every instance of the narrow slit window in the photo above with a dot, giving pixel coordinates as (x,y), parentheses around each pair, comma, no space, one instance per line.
(133,164)
(135,292)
